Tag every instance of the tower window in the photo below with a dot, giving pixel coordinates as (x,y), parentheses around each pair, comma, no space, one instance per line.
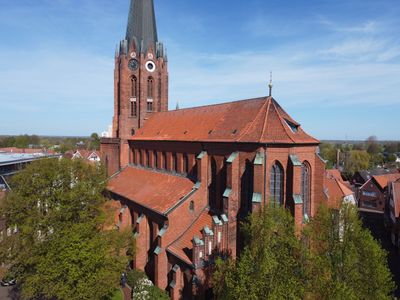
(150,88)
(133,87)
(276,184)
(149,105)
(133,108)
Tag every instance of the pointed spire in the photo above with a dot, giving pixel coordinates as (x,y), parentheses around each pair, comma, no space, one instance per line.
(177,105)
(270,85)
(142,26)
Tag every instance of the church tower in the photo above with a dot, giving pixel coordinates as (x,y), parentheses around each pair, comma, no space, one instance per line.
(140,75)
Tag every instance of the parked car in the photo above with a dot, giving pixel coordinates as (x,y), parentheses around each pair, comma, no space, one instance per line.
(5,282)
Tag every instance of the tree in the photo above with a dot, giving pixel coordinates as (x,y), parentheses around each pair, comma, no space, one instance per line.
(345,261)
(60,250)
(94,141)
(333,258)
(356,160)
(270,266)
(329,153)
(373,147)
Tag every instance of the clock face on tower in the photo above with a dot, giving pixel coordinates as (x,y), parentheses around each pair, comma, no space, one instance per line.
(133,64)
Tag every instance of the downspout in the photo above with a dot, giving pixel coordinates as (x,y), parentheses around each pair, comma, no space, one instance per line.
(265,174)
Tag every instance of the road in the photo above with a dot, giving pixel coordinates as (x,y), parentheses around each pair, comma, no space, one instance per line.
(4,293)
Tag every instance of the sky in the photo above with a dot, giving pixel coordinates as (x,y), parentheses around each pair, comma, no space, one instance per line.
(335,64)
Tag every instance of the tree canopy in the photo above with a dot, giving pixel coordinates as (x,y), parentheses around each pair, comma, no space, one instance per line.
(333,258)
(270,266)
(59,249)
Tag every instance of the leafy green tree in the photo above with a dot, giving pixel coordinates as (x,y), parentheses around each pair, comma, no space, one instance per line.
(328,152)
(345,261)
(270,266)
(94,141)
(143,288)
(60,250)
(356,160)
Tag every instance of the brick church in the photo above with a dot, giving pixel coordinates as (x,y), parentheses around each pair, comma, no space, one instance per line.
(183,180)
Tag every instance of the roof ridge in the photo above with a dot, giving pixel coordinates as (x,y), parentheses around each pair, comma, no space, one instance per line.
(285,127)
(205,209)
(210,105)
(266,118)
(249,125)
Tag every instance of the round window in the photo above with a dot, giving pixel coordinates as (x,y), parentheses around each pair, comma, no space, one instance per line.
(150,66)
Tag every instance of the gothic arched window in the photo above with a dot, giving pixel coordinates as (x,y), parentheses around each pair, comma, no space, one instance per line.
(306,188)
(133,87)
(147,158)
(164,161)
(150,88)
(276,184)
(185,163)
(156,162)
(133,108)
(141,158)
(175,162)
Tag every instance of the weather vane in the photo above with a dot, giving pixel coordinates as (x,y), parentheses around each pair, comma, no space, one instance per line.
(270,85)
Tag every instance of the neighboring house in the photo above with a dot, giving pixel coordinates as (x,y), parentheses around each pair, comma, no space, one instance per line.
(392,212)
(10,164)
(88,155)
(361,177)
(184,180)
(372,194)
(27,151)
(336,190)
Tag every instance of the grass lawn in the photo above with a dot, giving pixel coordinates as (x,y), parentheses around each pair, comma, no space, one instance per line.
(118,295)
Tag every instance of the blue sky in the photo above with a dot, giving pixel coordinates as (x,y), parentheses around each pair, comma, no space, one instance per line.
(336,64)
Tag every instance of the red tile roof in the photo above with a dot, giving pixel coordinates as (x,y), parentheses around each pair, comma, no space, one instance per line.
(383,180)
(156,191)
(334,173)
(183,246)
(260,120)
(336,190)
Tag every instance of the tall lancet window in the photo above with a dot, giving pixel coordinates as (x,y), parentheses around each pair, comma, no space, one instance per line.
(150,88)
(276,184)
(134,87)
(306,188)
(133,102)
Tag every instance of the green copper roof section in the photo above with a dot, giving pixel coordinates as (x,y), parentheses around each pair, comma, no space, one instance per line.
(259,160)
(227,193)
(175,268)
(140,219)
(162,231)
(297,199)
(201,155)
(232,157)
(295,160)
(224,218)
(197,241)
(216,220)
(157,250)
(257,198)
(208,231)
